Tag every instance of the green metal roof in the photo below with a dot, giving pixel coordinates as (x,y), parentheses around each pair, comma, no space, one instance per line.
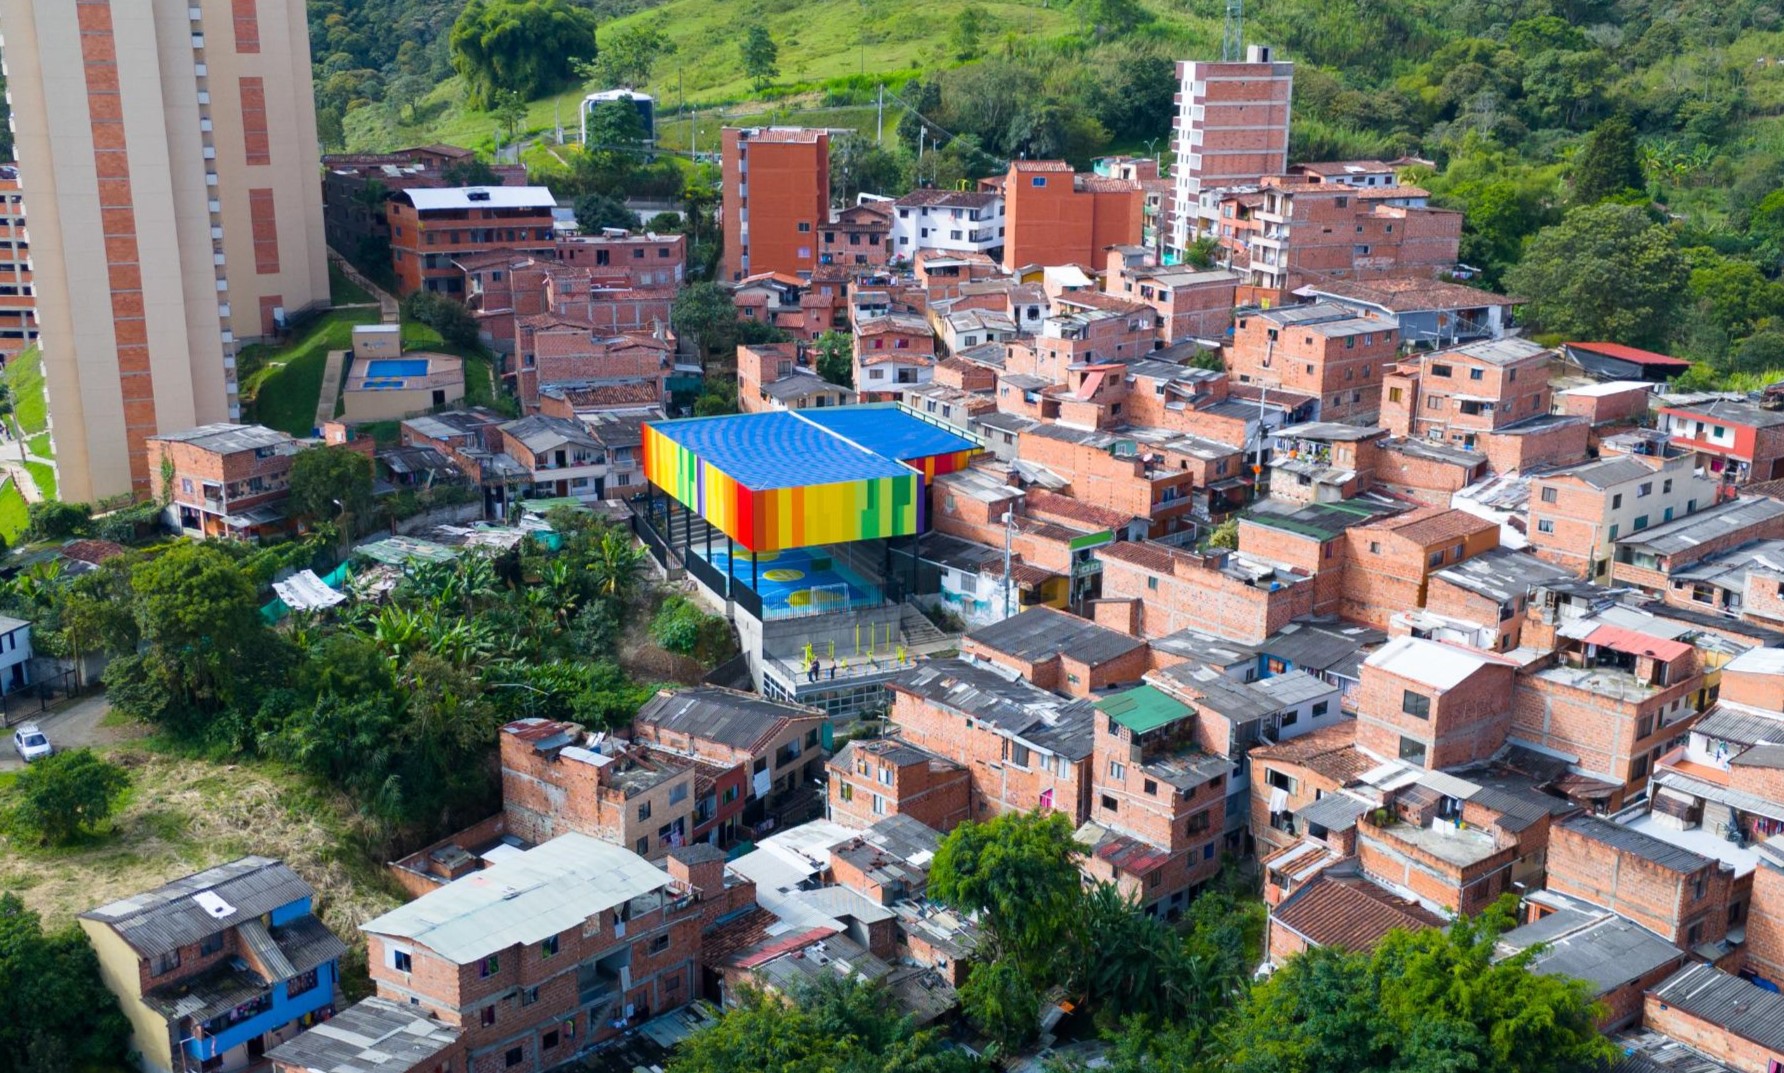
(1143,708)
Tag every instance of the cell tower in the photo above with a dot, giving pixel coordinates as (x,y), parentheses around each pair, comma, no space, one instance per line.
(1232,39)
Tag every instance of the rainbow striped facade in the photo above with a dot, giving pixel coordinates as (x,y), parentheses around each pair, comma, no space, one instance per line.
(776,481)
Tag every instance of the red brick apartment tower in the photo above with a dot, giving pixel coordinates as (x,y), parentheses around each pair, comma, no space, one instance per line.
(168,152)
(776,199)
(1056,217)
(1231,130)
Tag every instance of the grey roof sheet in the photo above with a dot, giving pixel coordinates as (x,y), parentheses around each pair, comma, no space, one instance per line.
(1316,646)
(1709,791)
(1728,1002)
(1649,848)
(1206,647)
(1040,632)
(166,918)
(1607,953)
(1012,705)
(375,1035)
(259,940)
(1607,473)
(1334,812)
(225,438)
(1740,724)
(1761,756)
(1733,411)
(1502,574)
(1648,1051)
(524,898)
(740,720)
(1685,533)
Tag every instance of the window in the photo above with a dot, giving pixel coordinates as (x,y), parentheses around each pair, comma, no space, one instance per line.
(659,944)
(549,947)
(1019,755)
(1277,780)
(1440,370)
(1646,488)
(1436,558)
(490,966)
(1151,787)
(1319,708)
(644,811)
(1117,770)
(1038,180)
(1617,501)
(1550,495)
(879,805)
(1544,525)
(402,961)
(1666,486)
(1641,522)
(1415,704)
(1476,374)
(1412,751)
(1152,583)
(885,776)
(167,962)
(210,944)
(847,792)
(1108,804)
(487,1016)
(805,227)
(1290,718)
(514,1056)
(1198,824)
(529,995)
(643,847)
(1698,885)
(549,1040)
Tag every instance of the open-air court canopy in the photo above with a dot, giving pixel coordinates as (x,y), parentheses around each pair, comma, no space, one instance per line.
(783,480)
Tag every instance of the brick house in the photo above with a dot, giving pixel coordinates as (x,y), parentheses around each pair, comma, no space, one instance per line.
(1619,958)
(1188,304)
(537,956)
(1167,478)
(892,351)
(1060,652)
(1720,1015)
(950,222)
(1290,775)
(1460,867)
(870,780)
(1577,514)
(1491,590)
(1458,395)
(782,746)
(431,227)
(1650,557)
(552,349)
(1389,561)
(771,377)
(1679,895)
(1025,748)
(1055,217)
(1323,461)
(1431,313)
(1158,800)
(224,480)
(1611,700)
(858,236)
(775,198)
(1154,590)
(1433,705)
(1344,909)
(620,792)
(1323,350)
(1737,441)
(641,259)
(218,967)
(560,457)
(1311,233)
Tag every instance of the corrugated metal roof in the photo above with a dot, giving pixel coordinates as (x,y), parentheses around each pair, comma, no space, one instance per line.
(375,1035)
(1727,721)
(1606,951)
(1040,632)
(1143,708)
(740,720)
(1728,1002)
(1673,537)
(1335,812)
(1647,847)
(522,899)
(259,942)
(1011,705)
(169,917)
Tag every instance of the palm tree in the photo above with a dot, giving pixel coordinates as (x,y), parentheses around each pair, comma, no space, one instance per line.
(616,564)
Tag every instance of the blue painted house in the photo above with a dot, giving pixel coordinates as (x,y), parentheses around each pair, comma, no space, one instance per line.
(215,969)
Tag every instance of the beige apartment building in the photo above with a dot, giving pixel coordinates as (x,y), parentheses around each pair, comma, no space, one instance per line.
(168,152)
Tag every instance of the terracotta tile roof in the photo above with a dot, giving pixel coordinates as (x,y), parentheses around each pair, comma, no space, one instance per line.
(91,551)
(640,393)
(1435,525)
(547,321)
(736,935)
(1102,184)
(1350,913)
(1141,553)
(929,196)
(1039,165)
(1330,751)
(1042,502)
(785,135)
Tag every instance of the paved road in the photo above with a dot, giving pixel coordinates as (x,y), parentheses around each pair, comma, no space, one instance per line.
(70,727)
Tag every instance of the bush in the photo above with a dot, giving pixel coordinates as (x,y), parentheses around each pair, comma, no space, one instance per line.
(681,627)
(62,797)
(443,315)
(51,520)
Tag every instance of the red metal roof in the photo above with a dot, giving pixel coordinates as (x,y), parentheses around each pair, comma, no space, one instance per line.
(1638,644)
(1629,353)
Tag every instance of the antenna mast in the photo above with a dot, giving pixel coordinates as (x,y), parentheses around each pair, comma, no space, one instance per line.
(1232,39)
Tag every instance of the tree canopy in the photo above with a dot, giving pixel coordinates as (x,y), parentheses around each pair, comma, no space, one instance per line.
(66,795)
(329,482)
(527,46)
(1604,272)
(55,1013)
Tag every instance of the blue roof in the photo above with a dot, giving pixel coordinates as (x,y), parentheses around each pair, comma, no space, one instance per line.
(777,450)
(887,430)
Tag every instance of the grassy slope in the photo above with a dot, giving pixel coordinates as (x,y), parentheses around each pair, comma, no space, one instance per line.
(13,512)
(44,476)
(281,384)
(819,40)
(24,375)
(343,291)
(184,815)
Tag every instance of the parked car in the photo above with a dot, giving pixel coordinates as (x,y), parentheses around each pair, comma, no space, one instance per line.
(31,743)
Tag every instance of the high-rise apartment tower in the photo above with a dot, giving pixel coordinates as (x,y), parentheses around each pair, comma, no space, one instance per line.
(168,154)
(776,199)
(1231,130)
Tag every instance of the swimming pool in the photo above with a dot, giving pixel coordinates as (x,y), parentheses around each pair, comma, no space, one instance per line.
(799,581)
(391,368)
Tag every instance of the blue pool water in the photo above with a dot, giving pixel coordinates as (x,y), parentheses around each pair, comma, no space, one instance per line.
(385,368)
(799,580)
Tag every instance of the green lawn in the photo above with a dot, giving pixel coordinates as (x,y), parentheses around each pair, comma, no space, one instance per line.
(41,446)
(14,515)
(479,365)
(343,291)
(280,385)
(43,475)
(24,375)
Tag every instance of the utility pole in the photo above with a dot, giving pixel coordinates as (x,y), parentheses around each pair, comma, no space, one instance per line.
(1232,38)
(1009,521)
(879,127)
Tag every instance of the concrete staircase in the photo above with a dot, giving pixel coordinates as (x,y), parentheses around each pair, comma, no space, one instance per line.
(920,633)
